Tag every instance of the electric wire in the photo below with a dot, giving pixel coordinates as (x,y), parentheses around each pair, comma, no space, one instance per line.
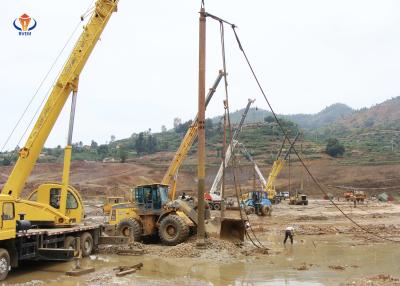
(236,183)
(319,185)
(36,92)
(87,12)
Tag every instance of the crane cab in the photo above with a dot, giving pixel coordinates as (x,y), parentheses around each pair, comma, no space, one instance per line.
(8,221)
(49,194)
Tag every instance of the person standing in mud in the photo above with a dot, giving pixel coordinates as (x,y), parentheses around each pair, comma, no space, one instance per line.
(289,233)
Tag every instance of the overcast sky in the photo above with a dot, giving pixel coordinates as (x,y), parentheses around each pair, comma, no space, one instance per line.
(143,72)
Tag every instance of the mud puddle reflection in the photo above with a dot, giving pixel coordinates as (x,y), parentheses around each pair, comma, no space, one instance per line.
(312,260)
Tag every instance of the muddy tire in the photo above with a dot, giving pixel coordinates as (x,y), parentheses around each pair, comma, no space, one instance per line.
(306,203)
(70,243)
(126,225)
(173,230)
(4,263)
(249,210)
(265,210)
(87,244)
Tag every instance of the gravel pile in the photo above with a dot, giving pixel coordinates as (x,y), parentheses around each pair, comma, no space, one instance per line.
(218,249)
(215,249)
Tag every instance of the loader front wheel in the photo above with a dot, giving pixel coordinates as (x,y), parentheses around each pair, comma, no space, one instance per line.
(249,210)
(173,230)
(126,225)
(4,263)
(266,211)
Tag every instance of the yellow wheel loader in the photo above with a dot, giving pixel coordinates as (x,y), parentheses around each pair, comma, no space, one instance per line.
(153,214)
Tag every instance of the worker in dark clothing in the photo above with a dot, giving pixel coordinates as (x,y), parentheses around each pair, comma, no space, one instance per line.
(289,233)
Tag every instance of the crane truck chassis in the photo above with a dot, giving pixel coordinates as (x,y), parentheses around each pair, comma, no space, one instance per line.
(55,244)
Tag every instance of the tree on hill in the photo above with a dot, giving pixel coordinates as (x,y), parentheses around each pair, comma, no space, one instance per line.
(151,146)
(334,148)
(122,154)
(183,127)
(177,122)
(93,144)
(103,151)
(140,144)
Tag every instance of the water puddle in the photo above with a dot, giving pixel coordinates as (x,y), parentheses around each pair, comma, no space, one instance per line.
(312,260)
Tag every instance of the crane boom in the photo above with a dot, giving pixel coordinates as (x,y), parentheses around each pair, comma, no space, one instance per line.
(256,168)
(187,142)
(66,82)
(268,185)
(231,147)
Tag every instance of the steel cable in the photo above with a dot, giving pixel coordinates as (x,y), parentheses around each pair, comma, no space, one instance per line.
(319,185)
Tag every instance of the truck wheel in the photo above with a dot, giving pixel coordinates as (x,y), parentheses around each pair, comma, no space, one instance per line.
(265,210)
(211,205)
(4,263)
(249,210)
(173,230)
(126,225)
(217,207)
(86,244)
(306,203)
(70,243)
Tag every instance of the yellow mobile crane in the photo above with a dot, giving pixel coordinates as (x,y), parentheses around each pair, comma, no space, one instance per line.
(51,204)
(269,186)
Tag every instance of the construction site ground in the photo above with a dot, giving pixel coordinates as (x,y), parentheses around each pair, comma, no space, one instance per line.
(328,249)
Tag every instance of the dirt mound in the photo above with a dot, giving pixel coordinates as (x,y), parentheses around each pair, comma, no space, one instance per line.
(215,249)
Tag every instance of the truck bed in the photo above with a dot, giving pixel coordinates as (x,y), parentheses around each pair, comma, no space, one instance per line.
(56,231)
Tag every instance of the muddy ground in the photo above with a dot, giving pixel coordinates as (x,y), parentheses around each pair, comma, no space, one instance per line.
(328,249)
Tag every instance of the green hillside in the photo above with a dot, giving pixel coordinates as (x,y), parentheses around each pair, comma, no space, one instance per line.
(325,117)
(370,136)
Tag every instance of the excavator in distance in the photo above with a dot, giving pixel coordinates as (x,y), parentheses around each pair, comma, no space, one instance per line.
(45,226)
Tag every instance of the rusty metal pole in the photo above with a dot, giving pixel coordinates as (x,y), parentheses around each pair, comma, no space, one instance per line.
(223,204)
(201,170)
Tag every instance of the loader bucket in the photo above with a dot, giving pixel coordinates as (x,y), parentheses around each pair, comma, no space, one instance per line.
(232,229)
(229,228)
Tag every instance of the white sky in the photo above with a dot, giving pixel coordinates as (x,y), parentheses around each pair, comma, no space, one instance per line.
(143,72)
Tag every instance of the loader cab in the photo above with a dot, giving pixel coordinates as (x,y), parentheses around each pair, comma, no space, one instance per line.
(151,197)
